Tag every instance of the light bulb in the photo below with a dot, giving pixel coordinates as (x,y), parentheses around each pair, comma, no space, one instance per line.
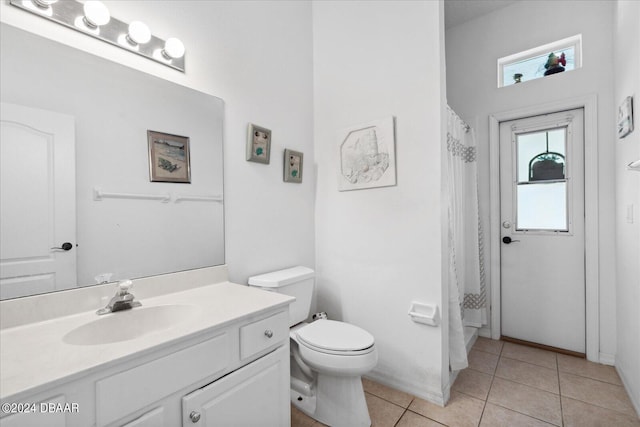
(95,13)
(139,33)
(173,48)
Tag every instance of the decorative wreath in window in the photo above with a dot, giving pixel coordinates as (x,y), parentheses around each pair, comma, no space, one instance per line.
(546,166)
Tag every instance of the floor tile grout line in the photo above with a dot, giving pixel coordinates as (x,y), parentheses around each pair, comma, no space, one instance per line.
(602,407)
(420,415)
(529,385)
(559,391)
(529,363)
(393,403)
(399,419)
(590,378)
(482,372)
(565,371)
(424,416)
(482,351)
(493,377)
(472,396)
(522,413)
(486,400)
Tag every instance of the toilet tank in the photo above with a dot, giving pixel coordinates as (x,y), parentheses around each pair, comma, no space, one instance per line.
(296,282)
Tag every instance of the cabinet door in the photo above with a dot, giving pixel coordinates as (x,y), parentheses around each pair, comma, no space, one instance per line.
(255,395)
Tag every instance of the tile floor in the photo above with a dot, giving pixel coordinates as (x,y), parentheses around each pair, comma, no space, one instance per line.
(508,385)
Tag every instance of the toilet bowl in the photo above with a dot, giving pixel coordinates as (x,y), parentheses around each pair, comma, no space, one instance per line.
(328,357)
(336,348)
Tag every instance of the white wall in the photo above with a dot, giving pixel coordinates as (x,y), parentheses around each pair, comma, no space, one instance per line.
(473,49)
(379,249)
(257,56)
(627,83)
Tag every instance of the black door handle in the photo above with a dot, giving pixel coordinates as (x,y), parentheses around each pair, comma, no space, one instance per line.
(66,246)
(506,240)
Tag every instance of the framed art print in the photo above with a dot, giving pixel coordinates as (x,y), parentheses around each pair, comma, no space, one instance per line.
(366,155)
(258,144)
(292,166)
(168,157)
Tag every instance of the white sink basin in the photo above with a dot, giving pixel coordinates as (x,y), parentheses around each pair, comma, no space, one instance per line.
(130,324)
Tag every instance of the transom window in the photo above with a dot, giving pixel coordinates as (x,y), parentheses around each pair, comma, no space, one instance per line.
(552,58)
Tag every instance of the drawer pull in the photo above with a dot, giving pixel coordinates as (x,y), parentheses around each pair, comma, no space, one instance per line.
(194,416)
(268,333)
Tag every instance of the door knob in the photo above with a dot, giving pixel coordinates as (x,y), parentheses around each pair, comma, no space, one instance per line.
(194,416)
(66,246)
(506,240)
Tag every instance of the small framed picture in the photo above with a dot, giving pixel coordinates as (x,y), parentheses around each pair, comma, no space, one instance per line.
(625,117)
(292,166)
(168,157)
(258,144)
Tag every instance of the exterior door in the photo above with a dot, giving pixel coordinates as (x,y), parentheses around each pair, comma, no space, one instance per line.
(542,230)
(38,208)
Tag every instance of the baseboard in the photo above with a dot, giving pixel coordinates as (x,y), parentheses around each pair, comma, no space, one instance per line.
(607,359)
(625,382)
(430,394)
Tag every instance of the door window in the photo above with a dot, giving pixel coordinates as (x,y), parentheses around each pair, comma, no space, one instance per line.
(541,186)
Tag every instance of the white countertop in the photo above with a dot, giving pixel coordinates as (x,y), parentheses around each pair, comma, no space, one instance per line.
(35,354)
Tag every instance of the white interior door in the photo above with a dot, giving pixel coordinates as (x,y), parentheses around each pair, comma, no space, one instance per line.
(542,230)
(37,201)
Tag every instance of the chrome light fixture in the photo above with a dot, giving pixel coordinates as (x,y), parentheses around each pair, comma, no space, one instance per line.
(93,18)
(44,4)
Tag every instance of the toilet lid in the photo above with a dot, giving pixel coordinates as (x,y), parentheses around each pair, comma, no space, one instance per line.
(336,336)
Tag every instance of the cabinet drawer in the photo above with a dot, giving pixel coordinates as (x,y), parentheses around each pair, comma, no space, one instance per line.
(265,333)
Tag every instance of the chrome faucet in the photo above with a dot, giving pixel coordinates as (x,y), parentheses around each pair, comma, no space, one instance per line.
(123,300)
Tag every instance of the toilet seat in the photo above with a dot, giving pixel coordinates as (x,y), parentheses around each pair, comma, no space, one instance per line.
(338,338)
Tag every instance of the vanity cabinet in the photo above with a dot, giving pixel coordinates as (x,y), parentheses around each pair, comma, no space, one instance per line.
(232,374)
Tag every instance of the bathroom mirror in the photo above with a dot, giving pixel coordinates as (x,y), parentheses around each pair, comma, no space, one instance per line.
(125,225)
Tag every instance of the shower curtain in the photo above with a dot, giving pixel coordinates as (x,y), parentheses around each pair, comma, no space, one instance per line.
(467,289)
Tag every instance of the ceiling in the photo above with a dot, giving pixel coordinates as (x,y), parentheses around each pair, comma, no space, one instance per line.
(457,12)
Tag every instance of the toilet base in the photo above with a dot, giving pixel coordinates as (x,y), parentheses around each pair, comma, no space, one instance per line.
(306,404)
(335,401)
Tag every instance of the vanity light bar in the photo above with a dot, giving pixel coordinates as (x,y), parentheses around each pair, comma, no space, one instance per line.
(101,25)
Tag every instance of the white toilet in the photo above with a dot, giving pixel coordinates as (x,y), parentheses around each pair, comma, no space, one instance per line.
(327,357)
